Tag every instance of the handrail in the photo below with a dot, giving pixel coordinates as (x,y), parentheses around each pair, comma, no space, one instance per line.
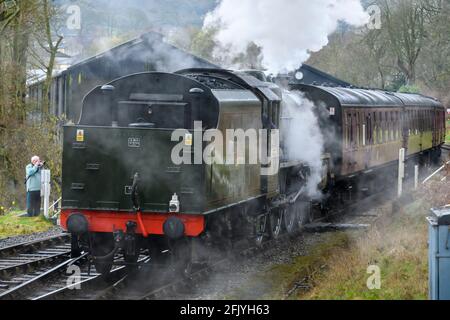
(53,205)
(435,173)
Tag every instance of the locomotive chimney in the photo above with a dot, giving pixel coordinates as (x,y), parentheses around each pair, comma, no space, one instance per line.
(108,99)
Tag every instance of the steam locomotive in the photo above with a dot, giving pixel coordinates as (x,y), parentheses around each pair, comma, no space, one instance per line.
(123,192)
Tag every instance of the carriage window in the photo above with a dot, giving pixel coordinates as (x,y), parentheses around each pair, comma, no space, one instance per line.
(348,129)
(394,125)
(374,128)
(409,122)
(352,131)
(362,129)
(388,127)
(424,118)
(420,121)
(430,126)
(380,127)
(416,122)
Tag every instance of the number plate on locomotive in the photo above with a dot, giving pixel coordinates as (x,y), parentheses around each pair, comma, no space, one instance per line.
(134,142)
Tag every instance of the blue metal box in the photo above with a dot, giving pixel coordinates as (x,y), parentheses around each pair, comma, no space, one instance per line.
(439,254)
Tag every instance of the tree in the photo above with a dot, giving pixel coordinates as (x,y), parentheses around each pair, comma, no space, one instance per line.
(52,49)
(405,23)
(24,25)
(434,62)
(15,41)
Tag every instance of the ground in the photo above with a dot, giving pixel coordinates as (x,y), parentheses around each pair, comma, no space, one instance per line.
(11,224)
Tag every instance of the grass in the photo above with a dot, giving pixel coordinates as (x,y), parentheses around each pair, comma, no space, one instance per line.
(274,283)
(397,244)
(12,225)
(447,137)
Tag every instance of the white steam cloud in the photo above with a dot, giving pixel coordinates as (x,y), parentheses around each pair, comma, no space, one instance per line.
(287,30)
(303,139)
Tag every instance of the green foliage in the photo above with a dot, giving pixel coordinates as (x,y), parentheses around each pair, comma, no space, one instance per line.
(203,43)
(409,89)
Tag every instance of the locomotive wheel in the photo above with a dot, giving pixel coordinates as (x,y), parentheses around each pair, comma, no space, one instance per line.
(289,218)
(303,214)
(276,223)
(260,229)
(102,244)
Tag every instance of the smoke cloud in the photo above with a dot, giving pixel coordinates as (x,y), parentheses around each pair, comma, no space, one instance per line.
(287,30)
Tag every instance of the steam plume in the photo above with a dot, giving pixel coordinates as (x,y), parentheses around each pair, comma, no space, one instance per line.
(287,30)
(303,139)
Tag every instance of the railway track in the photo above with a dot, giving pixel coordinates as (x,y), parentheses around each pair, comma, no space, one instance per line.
(22,262)
(86,288)
(43,270)
(37,269)
(74,279)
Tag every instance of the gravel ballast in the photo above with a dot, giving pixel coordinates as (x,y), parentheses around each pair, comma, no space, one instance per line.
(11,241)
